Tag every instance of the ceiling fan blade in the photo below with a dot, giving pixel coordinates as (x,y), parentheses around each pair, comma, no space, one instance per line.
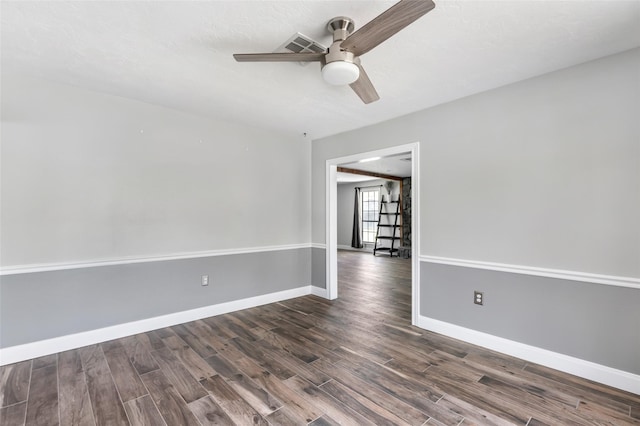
(279,57)
(389,22)
(364,88)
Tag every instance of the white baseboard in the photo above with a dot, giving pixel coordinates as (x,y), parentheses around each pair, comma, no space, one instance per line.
(26,351)
(576,366)
(321,292)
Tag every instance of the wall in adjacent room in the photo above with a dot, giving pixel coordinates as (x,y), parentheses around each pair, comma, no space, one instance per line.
(541,175)
(346,193)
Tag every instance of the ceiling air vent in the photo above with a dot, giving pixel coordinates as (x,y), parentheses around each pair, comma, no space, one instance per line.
(300,43)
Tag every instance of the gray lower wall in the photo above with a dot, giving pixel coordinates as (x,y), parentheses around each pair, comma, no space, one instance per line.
(45,305)
(593,322)
(319,267)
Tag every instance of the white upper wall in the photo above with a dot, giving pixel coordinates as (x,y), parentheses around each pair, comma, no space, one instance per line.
(543,173)
(88,176)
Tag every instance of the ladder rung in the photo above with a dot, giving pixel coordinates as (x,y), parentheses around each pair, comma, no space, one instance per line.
(390,226)
(386,249)
(384,237)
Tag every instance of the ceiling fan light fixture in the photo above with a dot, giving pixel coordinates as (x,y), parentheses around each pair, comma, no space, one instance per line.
(341,61)
(340,73)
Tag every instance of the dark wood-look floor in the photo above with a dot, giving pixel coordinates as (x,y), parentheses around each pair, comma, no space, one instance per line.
(356,360)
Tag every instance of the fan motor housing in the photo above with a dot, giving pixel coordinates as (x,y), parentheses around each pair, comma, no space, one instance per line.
(341,27)
(337,54)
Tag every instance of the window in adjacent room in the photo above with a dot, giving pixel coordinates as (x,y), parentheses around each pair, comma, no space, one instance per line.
(370,206)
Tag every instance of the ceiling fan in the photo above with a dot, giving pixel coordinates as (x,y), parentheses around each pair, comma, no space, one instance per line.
(341,62)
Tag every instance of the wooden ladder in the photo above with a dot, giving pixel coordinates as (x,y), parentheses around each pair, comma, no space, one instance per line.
(382,238)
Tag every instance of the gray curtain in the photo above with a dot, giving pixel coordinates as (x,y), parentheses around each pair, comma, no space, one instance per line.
(356,236)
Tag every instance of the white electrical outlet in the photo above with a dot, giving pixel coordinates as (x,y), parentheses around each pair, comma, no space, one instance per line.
(205,280)
(478,298)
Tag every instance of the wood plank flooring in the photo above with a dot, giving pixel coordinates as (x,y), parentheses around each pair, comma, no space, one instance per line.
(356,360)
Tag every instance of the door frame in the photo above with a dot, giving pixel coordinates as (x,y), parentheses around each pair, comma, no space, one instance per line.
(331,226)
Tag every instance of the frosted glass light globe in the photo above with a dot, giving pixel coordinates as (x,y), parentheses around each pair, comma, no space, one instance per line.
(340,73)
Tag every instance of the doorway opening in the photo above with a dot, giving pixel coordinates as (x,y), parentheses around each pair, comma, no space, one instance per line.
(332,166)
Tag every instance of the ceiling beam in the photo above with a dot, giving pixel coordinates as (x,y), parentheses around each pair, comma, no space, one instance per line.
(372,174)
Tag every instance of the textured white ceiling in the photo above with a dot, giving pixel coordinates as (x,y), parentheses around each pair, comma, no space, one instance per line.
(398,165)
(351,178)
(178,54)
